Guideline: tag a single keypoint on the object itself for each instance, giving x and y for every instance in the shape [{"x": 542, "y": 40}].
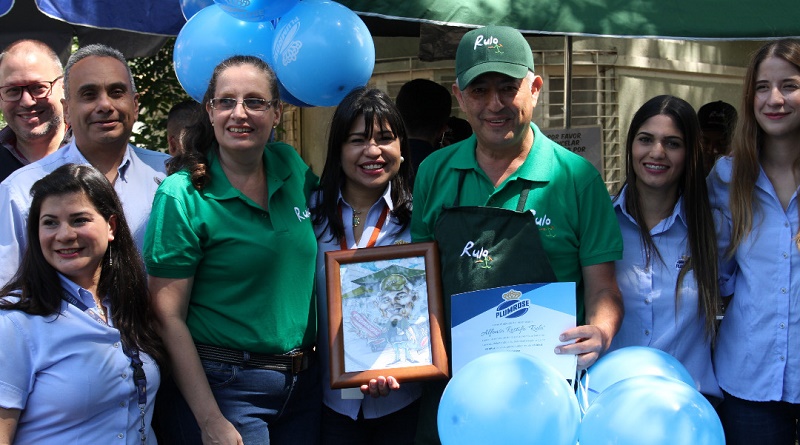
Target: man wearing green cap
[{"x": 541, "y": 212}]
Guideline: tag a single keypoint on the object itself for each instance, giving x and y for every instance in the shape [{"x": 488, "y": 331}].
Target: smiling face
[
  {"x": 240, "y": 128},
  {"x": 500, "y": 108},
  {"x": 370, "y": 163},
  {"x": 32, "y": 119},
  {"x": 74, "y": 237},
  {"x": 659, "y": 152},
  {"x": 777, "y": 98},
  {"x": 101, "y": 107}
]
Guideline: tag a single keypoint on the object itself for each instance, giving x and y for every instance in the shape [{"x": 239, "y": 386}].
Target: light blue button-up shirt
[
  {"x": 652, "y": 316},
  {"x": 140, "y": 173},
  {"x": 758, "y": 350},
  {"x": 70, "y": 377},
  {"x": 389, "y": 235}
]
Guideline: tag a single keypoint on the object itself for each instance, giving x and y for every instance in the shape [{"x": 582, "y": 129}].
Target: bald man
[{"x": 31, "y": 90}]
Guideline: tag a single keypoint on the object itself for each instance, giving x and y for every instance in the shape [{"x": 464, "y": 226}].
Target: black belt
[{"x": 294, "y": 361}]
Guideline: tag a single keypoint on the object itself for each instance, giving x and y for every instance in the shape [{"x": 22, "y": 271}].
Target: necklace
[{"x": 356, "y": 218}]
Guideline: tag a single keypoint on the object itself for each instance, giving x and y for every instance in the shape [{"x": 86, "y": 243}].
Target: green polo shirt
[
  {"x": 573, "y": 210},
  {"x": 253, "y": 269}
]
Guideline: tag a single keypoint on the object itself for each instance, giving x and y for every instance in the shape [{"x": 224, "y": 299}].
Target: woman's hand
[
  {"x": 219, "y": 431},
  {"x": 380, "y": 387}
]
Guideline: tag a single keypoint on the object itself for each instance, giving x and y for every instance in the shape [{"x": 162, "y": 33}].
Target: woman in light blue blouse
[
  {"x": 81, "y": 360},
  {"x": 757, "y": 358},
  {"x": 668, "y": 272},
  {"x": 364, "y": 200}
]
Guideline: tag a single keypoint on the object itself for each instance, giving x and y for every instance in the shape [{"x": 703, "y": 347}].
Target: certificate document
[{"x": 522, "y": 318}]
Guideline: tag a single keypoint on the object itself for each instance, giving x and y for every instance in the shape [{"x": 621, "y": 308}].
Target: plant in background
[{"x": 159, "y": 89}]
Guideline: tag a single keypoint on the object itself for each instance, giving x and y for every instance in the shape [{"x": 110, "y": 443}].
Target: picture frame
[{"x": 385, "y": 314}]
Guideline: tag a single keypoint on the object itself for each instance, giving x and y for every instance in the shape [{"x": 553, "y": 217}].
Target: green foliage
[{"x": 159, "y": 89}]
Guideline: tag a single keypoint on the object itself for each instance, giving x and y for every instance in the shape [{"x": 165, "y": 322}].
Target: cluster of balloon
[
  {"x": 508, "y": 397},
  {"x": 298, "y": 39},
  {"x": 653, "y": 410},
  {"x": 628, "y": 362},
  {"x": 639, "y": 395}
]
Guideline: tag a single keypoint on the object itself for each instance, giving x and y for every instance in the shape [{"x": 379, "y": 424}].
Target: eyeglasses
[
  {"x": 250, "y": 103},
  {"x": 37, "y": 90}
]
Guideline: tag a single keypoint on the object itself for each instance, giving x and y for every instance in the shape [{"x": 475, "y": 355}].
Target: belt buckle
[{"x": 297, "y": 361}]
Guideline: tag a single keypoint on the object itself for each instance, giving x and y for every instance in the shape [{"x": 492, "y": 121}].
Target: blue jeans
[
  {"x": 768, "y": 423},
  {"x": 266, "y": 407}
]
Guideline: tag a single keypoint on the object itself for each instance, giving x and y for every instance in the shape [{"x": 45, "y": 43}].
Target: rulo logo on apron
[{"x": 481, "y": 255}]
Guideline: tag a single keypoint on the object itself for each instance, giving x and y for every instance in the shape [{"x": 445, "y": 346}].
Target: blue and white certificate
[{"x": 522, "y": 318}]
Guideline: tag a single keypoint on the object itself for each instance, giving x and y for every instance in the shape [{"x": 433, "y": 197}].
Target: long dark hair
[
  {"x": 696, "y": 206},
  {"x": 199, "y": 137},
  {"x": 372, "y": 105},
  {"x": 122, "y": 276}
]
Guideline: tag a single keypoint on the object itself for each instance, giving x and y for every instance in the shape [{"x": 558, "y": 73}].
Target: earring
[
  {"x": 110, "y": 259},
  {"x": 402, "y": 159}
]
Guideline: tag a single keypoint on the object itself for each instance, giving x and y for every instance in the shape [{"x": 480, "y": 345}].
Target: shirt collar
[
  {"x": 276, "y": 169},
  {"x": 76, "y": 291},
  {"x": 537, "y": 167},
  {"x": 128, "y": 160},
  {"x": 386, "y": 197},
  {"x": 678, "y": 213}
]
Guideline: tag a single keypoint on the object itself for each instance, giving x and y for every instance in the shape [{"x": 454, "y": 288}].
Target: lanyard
[
  {"x": 375, "y": 231},
  {"x": 139, "y": 376}
]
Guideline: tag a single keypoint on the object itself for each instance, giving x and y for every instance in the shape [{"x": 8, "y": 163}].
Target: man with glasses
[
  {"x": 30, "y": 99},
  {"x": 100, "y": 105}
]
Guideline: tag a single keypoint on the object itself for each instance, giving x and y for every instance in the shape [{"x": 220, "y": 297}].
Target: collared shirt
[
  {"x": 652, "y": 316},
  {"x": 756, "y": 356},
  {"x": 70, "y": 377},
  {"x": 568, "y": 197},
  {"x": 389, "y": 234},
  {"x": 253, "y": 268},
  {"x": 10, "y": 157},
  {"x": 139, "y": 174}
]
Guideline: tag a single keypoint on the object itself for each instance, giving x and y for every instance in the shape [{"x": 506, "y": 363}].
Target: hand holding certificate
[{"x": 523, "y": 318}]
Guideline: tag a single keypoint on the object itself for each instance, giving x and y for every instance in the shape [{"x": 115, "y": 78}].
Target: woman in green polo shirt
[{"x": 230, "y": 250}]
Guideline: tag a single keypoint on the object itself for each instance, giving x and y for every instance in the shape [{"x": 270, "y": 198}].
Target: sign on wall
[{"x": 585, "y": 141}]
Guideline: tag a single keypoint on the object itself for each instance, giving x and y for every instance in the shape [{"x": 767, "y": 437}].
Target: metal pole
[{"x": 567, "y": 81}]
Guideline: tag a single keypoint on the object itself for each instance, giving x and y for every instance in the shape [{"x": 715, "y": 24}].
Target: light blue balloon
[
  {"x": 210, "y": 37},
  {"x": 289, "y": 99},
  {"x": 652, "y": 410},
  {"x": 629, "y": 362},
  {"x": 508, "y": 398},
  {"x": 322, "y": 51},
  {"x": 256, "y": 10},
  {"x": 191, "y": 7}
]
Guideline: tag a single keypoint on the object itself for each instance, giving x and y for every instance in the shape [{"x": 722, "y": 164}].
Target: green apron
[{"x": 481, "y": 248}]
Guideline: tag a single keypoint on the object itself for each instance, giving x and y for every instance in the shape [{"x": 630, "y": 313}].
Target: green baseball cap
[{"x": 493, "y": 49}]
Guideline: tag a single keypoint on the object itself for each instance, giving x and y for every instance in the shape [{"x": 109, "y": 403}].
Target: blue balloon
[
  {"x": 256, "y": 10},
  {"x": 210, "y": 37},
  {"x": 629, "y": 362},
  {"x": 191, "y": 7},
  {"x": 652, "y": 410},
  {"x": 287, "y": 97},
  {"x": 508, "y": 398},
  {"x": 322, "y": 50}
]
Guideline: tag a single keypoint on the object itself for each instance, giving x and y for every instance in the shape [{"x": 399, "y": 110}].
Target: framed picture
[{"x": 385, "y": 314}]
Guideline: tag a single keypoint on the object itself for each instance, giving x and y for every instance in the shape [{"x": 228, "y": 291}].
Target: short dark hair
[
  {"x": 425, "y": 106},
  {"x": 96, "y": 50}
]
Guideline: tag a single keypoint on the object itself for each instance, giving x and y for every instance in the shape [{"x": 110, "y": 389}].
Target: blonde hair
[{"x": 748, "y": 141}]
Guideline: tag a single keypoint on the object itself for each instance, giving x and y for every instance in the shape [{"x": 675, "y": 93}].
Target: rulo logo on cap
[{"x": 489, "y": 42}]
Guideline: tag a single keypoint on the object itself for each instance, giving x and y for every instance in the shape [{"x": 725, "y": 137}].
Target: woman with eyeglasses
[
  {"x": 230, "y": 251},
  {"x": 364, "y": 200}
]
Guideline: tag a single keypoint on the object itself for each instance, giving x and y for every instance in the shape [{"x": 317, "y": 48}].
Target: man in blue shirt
[{"x": 100, "y": 105}]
